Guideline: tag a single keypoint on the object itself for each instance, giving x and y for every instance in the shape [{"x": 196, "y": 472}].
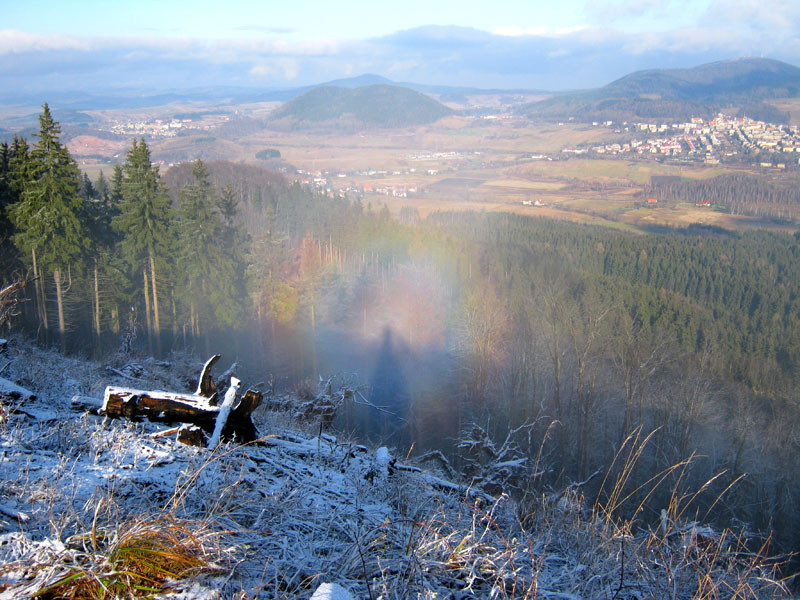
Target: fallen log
[
  {"x": 168, "y": 407},
  {"x": 79, "y": 402},
  {"x": 198, "y": 409}
]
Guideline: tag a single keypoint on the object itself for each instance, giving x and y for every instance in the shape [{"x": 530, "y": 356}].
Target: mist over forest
[{"x": 462, "y": 332}]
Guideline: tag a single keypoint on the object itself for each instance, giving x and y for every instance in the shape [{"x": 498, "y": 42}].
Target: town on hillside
[{"x": 723, "y": 139}]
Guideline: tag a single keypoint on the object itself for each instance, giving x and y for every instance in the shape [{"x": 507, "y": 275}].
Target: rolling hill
[
  {"x": 677, "y": 93},
  {"x": 379, "y": 105}
]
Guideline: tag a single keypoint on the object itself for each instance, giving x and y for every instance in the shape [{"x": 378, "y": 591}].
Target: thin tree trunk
[
  {"x": 62, "y": 329},
  {"x": 36, "y": 284},
  {"x": 313, "y": 337},
  {"x": 193, "y": 321},
  {"x": 147, "y": 310},
  {"x": 40, "y": 294},
  {"x": 174, "y": 315},
  {"x": 156, "y": 319},
  {"x": 313, "y": 329},
  {"x": 96, "y": 300}
]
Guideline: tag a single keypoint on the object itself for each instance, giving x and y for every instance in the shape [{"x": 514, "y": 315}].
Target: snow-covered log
[
  {"x": 169, "y": 407},
  {"x": 199, "y": 408},
  {"x": 9, "y": 388},
  {"x": 89, "y": 403}
]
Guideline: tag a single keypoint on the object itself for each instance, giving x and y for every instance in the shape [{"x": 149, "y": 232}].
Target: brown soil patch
[{"x": 87, "y": 145}]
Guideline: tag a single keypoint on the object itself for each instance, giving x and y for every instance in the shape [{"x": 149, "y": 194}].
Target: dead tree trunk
[
  {"x": 167, "y": 407},
  {"x": 9, "y": 301},
  {"x": 199, "y": 408}
]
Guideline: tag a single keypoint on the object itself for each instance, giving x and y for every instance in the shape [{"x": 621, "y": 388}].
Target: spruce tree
[
  {"x": 7, "y": 198},
  {"x": 102, "y": 188},
  {"x": 97, "y": 212},
  {"x": 209, "y": 284},
  {"x": 14, "y": 163},
  {"x": 234, "y": 242},
  {"x": 115, "y": 192},
  {"x": 144, "y": 221},
  {"x": 46, "y": 218}
]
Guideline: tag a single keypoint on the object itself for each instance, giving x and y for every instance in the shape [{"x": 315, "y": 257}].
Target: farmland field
[{"x": 457, "y": 163}]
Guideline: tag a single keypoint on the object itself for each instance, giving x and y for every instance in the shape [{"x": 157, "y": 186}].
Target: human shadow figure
[{"x": 387, "y": 391}]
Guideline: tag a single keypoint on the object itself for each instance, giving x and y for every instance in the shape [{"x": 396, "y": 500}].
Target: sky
[{"x": 91, "y": 46}]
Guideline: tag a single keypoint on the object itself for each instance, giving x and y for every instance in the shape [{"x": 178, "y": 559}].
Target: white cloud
[
  {"x": 541, "y": 31},
  {"x": 690, "y": 40},
  {"x": 777, "y": 17},
  {"x": 287, "y": 69},
  {"x": 404, "y": 66},
  {"x": 612, "y": 10},
  {"x": 517, "y": 31},
  {"x": 19, "y": 42}
]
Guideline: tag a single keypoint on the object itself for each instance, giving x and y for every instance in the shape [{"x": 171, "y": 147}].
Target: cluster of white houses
[{"x": 709, "y": 141}]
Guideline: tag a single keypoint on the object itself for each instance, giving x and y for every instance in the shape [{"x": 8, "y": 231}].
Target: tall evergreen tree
[
  {"x": 7, "y": 198},
  {"x": 234, "y": 240},
  {"x": 86, "y": 189},
  {"x": 102, "y": 188},
  {"x": 14, "y": 162},
  {"x": 46, "y": 218},
  {"x": 209, "y": 283},
  {"x": 144, "y": 219},
  {"x": 97, "y": 213},
  {"x": 115, "y": 191}
]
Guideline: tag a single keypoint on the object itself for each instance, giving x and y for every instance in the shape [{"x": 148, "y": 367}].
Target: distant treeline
[
  {"x": 738, "y": 292},
  {"x": 739, "y": 194}
]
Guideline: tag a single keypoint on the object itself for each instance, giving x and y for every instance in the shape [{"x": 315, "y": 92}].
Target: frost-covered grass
[{"x": 113, "y": 511}]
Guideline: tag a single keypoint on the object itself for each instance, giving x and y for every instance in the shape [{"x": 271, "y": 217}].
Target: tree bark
[
  {"x": 62, "y": 329},
  {"x": 115, "y": 320},
  {"x": 96, "y": 301},
  {"x": 147, "y": 310},
  {"x": 156, "y": 318},
  {"x": 40, "y": 295}
]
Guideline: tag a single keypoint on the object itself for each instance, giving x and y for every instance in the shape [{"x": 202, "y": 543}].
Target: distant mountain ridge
[
  {"x": 135, "y": 98},
  {"x": 654, "y": 93},
  {"x": 736, "y": 79},
  {"x": 674, "y": 93},
  {"x": 377, "y": 105}
]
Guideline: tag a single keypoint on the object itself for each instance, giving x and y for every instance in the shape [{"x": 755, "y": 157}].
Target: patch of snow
[
  {"x": 9, "y": 387},
  {"x": 331, "y": 591},
  {"x": 382, "y": 457}
]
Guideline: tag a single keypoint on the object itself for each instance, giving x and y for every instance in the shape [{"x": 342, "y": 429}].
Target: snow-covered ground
[{"x": 291, "y": 516}]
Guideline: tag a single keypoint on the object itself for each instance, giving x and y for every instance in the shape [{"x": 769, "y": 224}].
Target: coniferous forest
[{"x": 461, "y": 326}]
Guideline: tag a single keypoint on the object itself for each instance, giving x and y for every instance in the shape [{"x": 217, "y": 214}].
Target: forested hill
[
  {"x": 373, "y": 106},
  {"x": 738, "y": 294},
  {"x": 739, "y": 80},
  {"x": 678, "y": 93}
]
